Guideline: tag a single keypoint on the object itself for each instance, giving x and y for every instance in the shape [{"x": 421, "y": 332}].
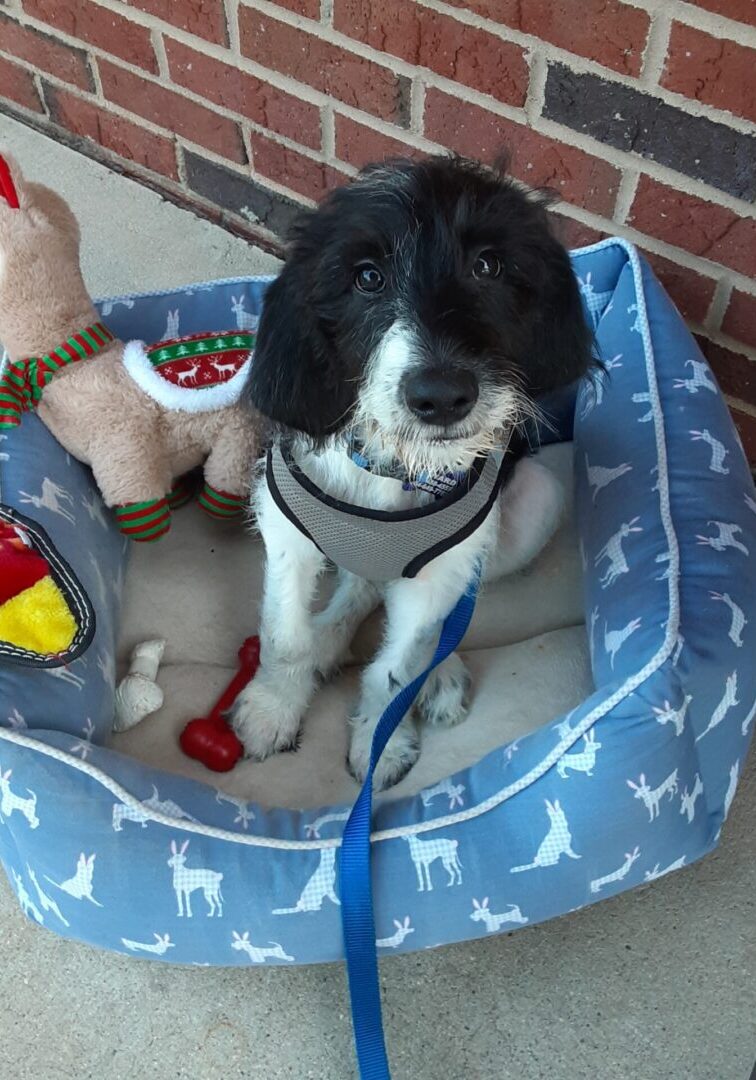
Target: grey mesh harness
[{"x": 383, "y": 545}]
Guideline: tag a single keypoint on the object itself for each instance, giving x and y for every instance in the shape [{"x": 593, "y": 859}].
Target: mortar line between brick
[
  {"x": 417, "y": 106},
  {"x": 180, "y": 162},
  {"x": 577, "y": 63},
  {"x": 37, "y": 80},
  {"x": 628, "y": 185},
  {"x": 158, "y": 45},
  {"x": 232, "y": 23},
  {"x": 326, "y": 12},
  {"x": 328, "y": 132},
  {"x": 718, "y": 306},
  {"x": 655, "y": 52},
  {"x": 536, "y": 85}
]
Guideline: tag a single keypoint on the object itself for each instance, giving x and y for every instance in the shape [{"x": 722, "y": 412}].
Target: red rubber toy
[{"x": 209, "y": 739}]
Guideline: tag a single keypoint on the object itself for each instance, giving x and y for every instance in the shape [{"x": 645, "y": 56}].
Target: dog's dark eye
[
  {"x": 487, "y": 265},
  {"x": 368, "y": 278}
]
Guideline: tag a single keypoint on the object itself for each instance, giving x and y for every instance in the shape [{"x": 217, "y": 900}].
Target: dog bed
[{"x": 614, "y": 687}]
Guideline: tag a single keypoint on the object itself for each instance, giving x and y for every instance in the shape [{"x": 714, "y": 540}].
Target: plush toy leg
[
  {"x": 182, "y": 491},
  {"x": 144, "y": 521},
  {"x": 221, "y": 504}
]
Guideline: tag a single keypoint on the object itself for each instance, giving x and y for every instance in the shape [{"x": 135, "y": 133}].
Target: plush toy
[
  {"x": 140, "y": 417},
  {"x": 34, "y": 615}
]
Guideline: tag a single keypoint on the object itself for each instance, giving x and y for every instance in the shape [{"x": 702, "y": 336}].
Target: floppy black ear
[
  {"x": 294, "y": 379},
  {"x": 561, "y": 348}
]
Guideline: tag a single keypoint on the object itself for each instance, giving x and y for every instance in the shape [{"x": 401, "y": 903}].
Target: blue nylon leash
[{"x": 354, "y": 872}]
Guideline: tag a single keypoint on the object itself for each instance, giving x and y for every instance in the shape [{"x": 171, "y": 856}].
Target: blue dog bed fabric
[{"x": 634, "y": 782}]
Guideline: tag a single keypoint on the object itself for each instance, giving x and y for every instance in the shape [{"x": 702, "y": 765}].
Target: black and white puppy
[{"x": 422, "y": 308}]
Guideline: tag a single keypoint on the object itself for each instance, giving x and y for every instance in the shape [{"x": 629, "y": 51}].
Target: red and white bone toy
[
  {"x": 209, "y": 739},
  {"x": 7, "y": 187}
]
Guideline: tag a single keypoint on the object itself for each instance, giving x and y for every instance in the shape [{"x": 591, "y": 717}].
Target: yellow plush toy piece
[{"x": 38, "y": 619}]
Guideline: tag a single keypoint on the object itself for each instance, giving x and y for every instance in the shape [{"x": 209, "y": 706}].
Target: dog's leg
[
  {"x": 415, "y": 611},
  {"x": 268, "y": 713},
  {"x": 444, "y": 700},
  {"x": 529, "y": 511},
  {"x": 352, "y": 601}
]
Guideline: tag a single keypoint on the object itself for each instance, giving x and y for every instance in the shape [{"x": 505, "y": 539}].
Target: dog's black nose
[{"x": 440, "y": 397}]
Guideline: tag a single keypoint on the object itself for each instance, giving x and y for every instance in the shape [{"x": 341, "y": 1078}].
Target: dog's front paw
[
  {"x": 445, "y": 698},
  {"x": 401, "y": 753},
  {"x": 265, "y": 723}
]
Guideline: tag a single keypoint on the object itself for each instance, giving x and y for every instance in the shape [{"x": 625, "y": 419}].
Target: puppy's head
[{"x": 426, "y": 303}]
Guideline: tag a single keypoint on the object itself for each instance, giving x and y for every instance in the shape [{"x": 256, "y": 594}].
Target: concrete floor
[{"x": 653, "y": 985}]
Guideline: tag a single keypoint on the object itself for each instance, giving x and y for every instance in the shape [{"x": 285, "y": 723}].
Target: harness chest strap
[
  {"x": 23, "y": 380},
  {"x": 384, "y": 545}
]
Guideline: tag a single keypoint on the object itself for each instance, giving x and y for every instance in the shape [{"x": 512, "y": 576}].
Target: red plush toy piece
[
  {"x": 20, "y": 567},
  {"x": 209, "y": 739}
]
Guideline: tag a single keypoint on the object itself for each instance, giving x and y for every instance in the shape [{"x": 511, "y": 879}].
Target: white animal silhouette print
[
  {"x": 403, "y": 929},
  {"x": 718, "y": 451},
  {"x": 748, "y": 720},
  {"x": 580, "y": 760},
  {"x": 444, "y": 787},
  {"x": 187, "y": 879},
  {"x": 557, "y": 842},
  {"x": 677, "y": 651},
  {"x": 617, "y": 875},
  {"x": 123, "y": 812},
  {"x": 9, "y": 802},
  {"x": 725, "y": 538},
  {"x": 564, "y": 728},
  {"x": 738, "y": 621},
  {"x": 244, "y": 321},
  {"x": 313, "y": 828},
  {"x": 16, "y": 721},
  {"x": 615, "y": 639},
  {"x": 94, "y": 506},
  {"x": 425, "y": 852},
  {"x": 66, "y": 676},
  {"x": 45, "y": 902},
  {"x": 28, "y": 906},
  {"x": 750, "y": 502},
  {"x": 652, "y": 875},
  {"x": 3, "y": 438},
  {"x": 688, "y": 801},
  {"x": 652, "y": 797},
  {"x": 84, "y": 745},
  {"x": 663, "y": 558},
  {"x": 243, "y": 812},
  {"x": 644, "y": 398},
  {"x": 731, "y": 787},
  {"x": 320, "y": 886},
  {"x": 700, "y": 380},
  {"x": 108, "y": 305},
  {"x": 258, "y": 954},
  {"x": 729, "y": 701},
  {"x": 600, "y": 477},
  {"x": 106, "y": 664},
  {"x": 612, "y": 551},
  {"x": 188, "y": 375},
  {"x": 493, "y": 922},
  {"x": 99, "y": 582},
  {"x": 224, "y": 369},
  {"x": 159, "y": 947},
  {"x": 171, "y": 325},
  {"x": 52, "y": 497},
  {"x": 637, "y": 326},
  {"x": 80, "y": 885},
  {"x": 592, "y": 631},
  {"x": 511, "y": 750},
  {"x": 668, "y": 715}
]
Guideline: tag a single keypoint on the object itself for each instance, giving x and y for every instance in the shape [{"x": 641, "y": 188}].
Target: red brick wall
[{"x": 640, "y": 114}]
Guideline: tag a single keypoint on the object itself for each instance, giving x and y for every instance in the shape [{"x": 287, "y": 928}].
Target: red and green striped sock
[
  {"x": 181, "y": 492},
  {"x": 144, "y": 521},
  {"x": 221, "y": 504}
]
